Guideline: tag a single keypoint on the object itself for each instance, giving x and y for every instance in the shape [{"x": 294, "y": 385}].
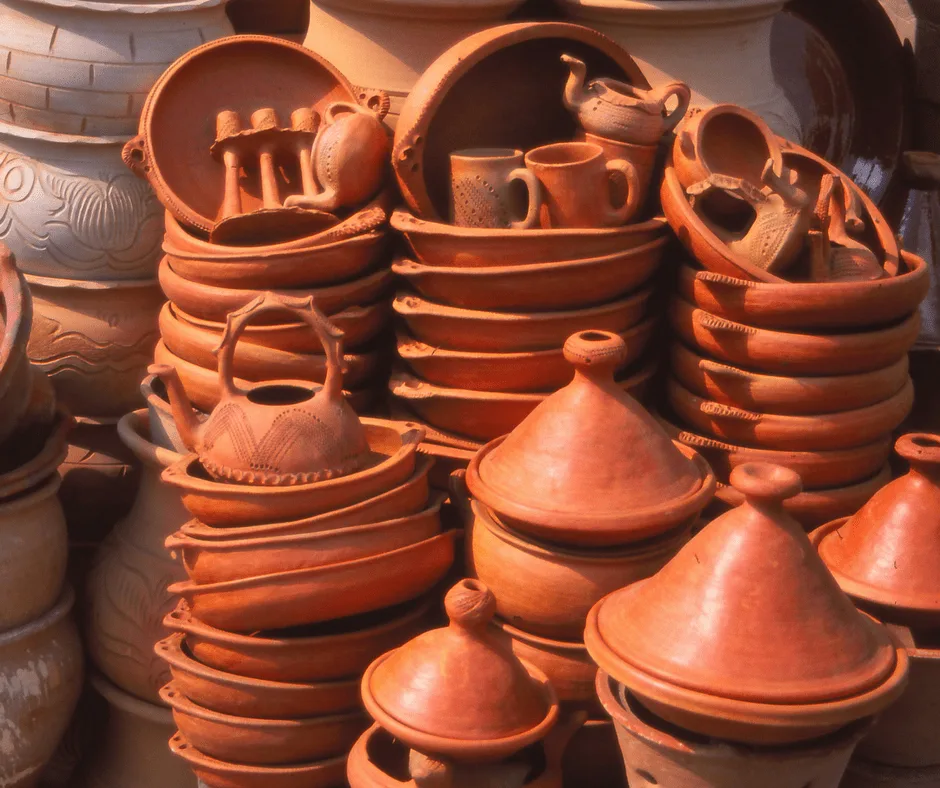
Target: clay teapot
[
  {"x": 619, "y": 111},
  {"x": 349, "y": 157},
  {"x": 281, "y": 432}
]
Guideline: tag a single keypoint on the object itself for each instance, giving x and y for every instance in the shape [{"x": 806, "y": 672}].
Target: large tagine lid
[
  {"x": 458, "y": 691},
  {"x": 746, "y": 620},
  {"x": 888, "y": 554},
  {"x": 589, "y": 465}
]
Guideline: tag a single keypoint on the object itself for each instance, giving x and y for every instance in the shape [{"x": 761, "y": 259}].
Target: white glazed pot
[{"x": 85, "y": 67}]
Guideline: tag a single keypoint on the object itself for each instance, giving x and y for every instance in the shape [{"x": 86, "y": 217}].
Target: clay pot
[
  {"x": 262, "y": 742},
  {"x": 784, "y": 353},
  {"x": 593, "y": 757},
  {"x": 45, "y": 656},
  {"x": 94, "y": 341},
  {"x": 329, "y": 651},
  {"x": 641, "y": 157},
  {"x": 446, "y": 459},
  {"x": 536, "y": 287},
  {"x": 213, "y": 773},
  {"x": 862, "y": 773},
  {"x": 163, "y": 430},
  {"x": 228, "y": 693},
  {"x": 35, "y": 456},
  {"x": 226, "y": 505},
  {"x": 439, "y": 244},
  {"x": 534, "y": 370}
]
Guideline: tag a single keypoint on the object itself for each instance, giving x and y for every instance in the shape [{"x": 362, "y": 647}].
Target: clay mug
[
  {"x": 482, "y": 193},
  {"x": 577, "y": 185},
  {"x": 642, "y": 157}
]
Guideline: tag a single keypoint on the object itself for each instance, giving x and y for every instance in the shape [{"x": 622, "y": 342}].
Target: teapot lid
[
  {"x": 458, "y": 691},
  {"x": 589, "y": 465}
]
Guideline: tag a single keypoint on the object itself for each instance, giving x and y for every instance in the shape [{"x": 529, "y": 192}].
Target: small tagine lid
[
  {"x": 889, "y": 552},
  {"x": 745, "y": 611},
  {"x": 457, "y": 690},
  {"x": 590, "y": 464}
]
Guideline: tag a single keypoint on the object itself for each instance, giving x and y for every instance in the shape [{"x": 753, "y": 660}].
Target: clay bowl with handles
[
  {"x": 445, "y": 245},
  {"x": 222, "y": 560},
  {"x": 484, "y": 331},
  {"x": 844, "y": 430},
  {"x": 394, "y": 448},
  {"x": 536, "y": 287},
  {"x": 337, "y": 649},
  {"x": 262, "y": 742},
  {"x": 806, "y": 395},
  {"x": 229, "y": 693},
  {"x": 526, "y": 371},
  {"x": 213, "y": 773},
  {"x": 785, "y": 353}
]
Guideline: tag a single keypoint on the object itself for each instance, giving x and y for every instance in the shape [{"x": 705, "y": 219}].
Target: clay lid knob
[
  {"x": 595, "y": 353},
  {"x": 766, "y": 483},
  {"x": 470, "y": 605},
  {"x": 920, "y": 449}
]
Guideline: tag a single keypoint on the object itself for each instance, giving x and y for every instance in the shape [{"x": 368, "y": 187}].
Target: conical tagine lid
[
  {"x": 457, "y": 691},
  {"x": 746, "y": 612},
  {"x": 589, "y": 465},
  {"x": 889, "y": 552}
]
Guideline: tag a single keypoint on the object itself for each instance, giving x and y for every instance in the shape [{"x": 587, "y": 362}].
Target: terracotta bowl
[
  {"x": 548, "y": 590},
  {"x": 447, "y": 459},
  {"x": 538, "y": 287},
  {"x": 258, "y": 742},
  {"x": 227, "y": 505},
  {"x": 783, "y": 394},
  {"x": 213, "y": 773},
  {"x": 309, "y": 596},
  {"x": 482, "y": 331},
  {"x": 228, "y": 693},
  {"x": 439, "y": 244},
  {"x": 35, "y": 454},
  {"x": 337, "y": 649},
  {"x": 222, "y": 560},
  {"x": 213, "y": 302},
  {"x": 782, "y": 353}
]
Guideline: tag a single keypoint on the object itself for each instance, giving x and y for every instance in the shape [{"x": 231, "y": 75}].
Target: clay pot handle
[
  {"x": 135, "y": 156},
  {"x": 719, "y": 410},
  {"x": 764, "y": 482},
  {"x": 330, "y": 337},
  {"x": 459, "y": 492},
  {"x": 721, "y": 370},
  {"x": 719, "y": 324},
  {"x": 595, "y": 353},
  {"x": 683, "y": 96},
  {"x": 374, "y": 99},
  {"x": 329, "y": 114},
  {"x": 630, "y": 205},
  {"x": 920, "y": 449},
  {"x": 470, "y": 605},
  {"x": 534, "y": 190}
]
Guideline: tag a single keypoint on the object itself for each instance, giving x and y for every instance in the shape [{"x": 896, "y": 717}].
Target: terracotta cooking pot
[{"x": 36, "y": 455}]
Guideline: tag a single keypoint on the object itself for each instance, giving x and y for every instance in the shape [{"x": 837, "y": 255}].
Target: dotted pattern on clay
[{"x": 477, "y": 203}]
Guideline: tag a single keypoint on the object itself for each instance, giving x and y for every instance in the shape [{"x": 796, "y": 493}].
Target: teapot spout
[
  {"x": 574, "y": 87},
  {"x": 187, "y": 424}
]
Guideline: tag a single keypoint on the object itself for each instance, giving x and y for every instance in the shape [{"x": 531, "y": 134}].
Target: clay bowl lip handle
[
  {"x": 765, "y": 482},
  {"x": 919, "y": 448}
]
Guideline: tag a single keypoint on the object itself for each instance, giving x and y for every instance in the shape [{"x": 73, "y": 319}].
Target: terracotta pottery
[
  {"x": 329, "y": 651},
  {"x": 126, "y": 595},
  {"x": 862, "y": 773},
  {"x": 35, "y": 456},
  {"x": 538, "y": 287},
  {"x": 593, "y": 757},
  {"x": 213, "y": 773},
  {"x": 423, "y": 695},
  {"x": 654, "y": 750},
  {"x": 228, "y": 693},
  {"x": 641, "y": 157},
  {"x": 40, "y": 682},
  {"x": 785, "y": 394},
  {"x": 577, "y": 434},
  {"x": 446, "y": 460},
  {"x": 162, "y": 428},
  {"x": 262, "y": 742},
  {"x": 794, "y": 662},
  {"x": 548, "y": 590},
  {"x": 219, "y": 504},
  {"x": 786, "y": 353},
  {"x": 221, "y": 560},
  {"x": 439, "y": 244},
  {"x": 482, "y": 193}
]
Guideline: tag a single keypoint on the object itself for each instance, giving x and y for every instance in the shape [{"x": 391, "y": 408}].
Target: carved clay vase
[{"x": 127, "y": 596}]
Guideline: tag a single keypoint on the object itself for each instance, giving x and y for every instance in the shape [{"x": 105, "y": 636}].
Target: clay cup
[{"x": 483, "y": 192}]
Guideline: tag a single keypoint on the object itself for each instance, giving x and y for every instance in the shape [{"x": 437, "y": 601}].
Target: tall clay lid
[
  {"x": 458, "y": 691},
  {"x": 589, "y": 465},
  {"x": 889, "y": 552},
  {"x": 747, "y": 611}
]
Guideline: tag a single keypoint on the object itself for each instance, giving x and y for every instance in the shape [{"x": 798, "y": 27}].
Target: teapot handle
[
  {"x": 683, "y": 96},
  {"x": 330, "y": 337}
]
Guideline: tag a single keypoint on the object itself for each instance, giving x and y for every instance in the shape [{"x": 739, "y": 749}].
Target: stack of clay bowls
[
  {"x": 587, "y": 494},
  {"x": 742, "y": 656},
  {"x": 307, "y": 216},
  {"x": 791, "y": 344},
  {"x": 884, "y": 557}
]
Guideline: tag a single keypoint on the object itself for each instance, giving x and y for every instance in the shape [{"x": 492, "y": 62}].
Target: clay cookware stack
[
  {"x": 794, "y": 319},
  {"x": 271, "y": 167},
  {"x": 885, "y": 557},
  {"x": 588, "y": 494},
  {"x": 525, "y": 174},
  {"x": 314, "y": 547},
  {"x": 742, "y": 656}
]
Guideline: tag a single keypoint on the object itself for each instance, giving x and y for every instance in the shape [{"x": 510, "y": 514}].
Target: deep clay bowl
[{"x": 36, "y": 454}]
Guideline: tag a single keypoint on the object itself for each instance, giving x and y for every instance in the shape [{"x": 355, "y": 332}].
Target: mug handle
[
  {"x": 534, "y": 188},
  {"x": 630, "y": 205},
  {"x": 683, "y": 96}
]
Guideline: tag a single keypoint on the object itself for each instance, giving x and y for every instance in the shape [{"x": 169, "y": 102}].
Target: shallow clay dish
[
  {"x": 484, "y": 331},
  {"x": 539, "y": 287},
  {"x": 440, "y": 244},
  {"x": 336, "y": 649},
  {"x": 500, "y": 87}
]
